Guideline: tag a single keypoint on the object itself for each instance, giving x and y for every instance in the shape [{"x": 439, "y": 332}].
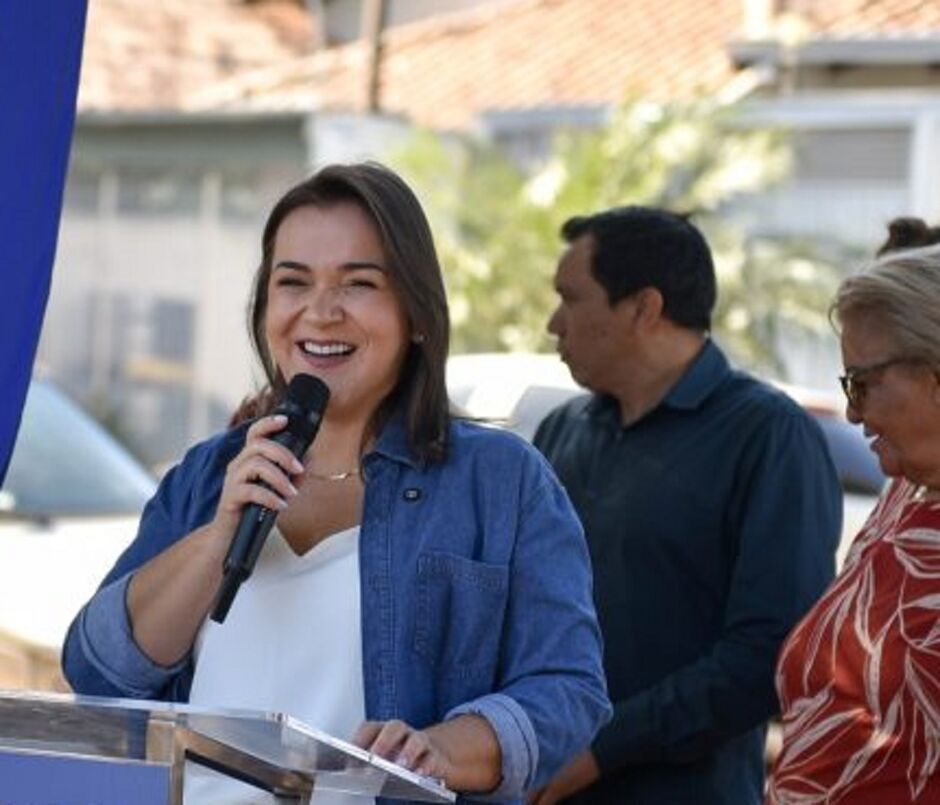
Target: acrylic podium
[{"x": 79, "y": 750}]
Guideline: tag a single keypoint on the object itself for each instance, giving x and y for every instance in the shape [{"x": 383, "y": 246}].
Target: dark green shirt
[{"x": 712, "y": 524}]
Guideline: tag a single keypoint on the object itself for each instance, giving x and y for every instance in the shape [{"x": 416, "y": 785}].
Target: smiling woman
[
  {"x": 859, "y": 678},
  {"x": 426, "y": 589}
]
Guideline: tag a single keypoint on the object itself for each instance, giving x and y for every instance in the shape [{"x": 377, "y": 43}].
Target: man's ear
[{"x": 649, "y": 308}]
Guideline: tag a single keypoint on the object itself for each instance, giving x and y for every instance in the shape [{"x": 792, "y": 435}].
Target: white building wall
[
  {"x": 862, "y": 158},
  {"x": 925, "y": 166},
  {"x": 851, "y": 211},
  {"x": 147, "y": 317},
  {"x": 352, "y": 137}
]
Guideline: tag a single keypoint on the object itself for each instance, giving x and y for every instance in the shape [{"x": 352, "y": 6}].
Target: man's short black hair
[{"x": 645, "y": 247}]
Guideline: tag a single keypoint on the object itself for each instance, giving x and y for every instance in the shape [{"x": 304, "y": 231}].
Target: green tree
[{"x": 497, "y": 225}]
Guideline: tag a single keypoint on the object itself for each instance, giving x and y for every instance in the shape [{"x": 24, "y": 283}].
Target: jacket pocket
[{"x": 459, "y": 611}]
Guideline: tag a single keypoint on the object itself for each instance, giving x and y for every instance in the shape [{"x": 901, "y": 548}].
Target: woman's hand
[
  {"x": 260, "y": 460},
  {"x": 402, "y": 744},
  {"x": 463, "y": 752}
]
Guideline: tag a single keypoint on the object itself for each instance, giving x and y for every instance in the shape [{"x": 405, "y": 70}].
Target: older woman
[
  {"x": 859, "y": 678},
  {"x": 426, "y": 589}
]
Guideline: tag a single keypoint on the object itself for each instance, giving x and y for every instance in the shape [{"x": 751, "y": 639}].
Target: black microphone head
[
  {"x": 303, "y": 405},
  {"x": 308, "y": 392}
]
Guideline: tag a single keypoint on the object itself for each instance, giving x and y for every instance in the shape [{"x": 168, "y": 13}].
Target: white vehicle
[
  {"x": 69, "y": 505},
  {"x": 518, "y": 390}
]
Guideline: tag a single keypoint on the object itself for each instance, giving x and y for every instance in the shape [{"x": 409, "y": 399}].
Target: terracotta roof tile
[
  {"x": 444, "y": 71},
  {"x": 869, "y": 17},
  {"x": 559, "y": 52},
  {"x": 153, "y": 54}
]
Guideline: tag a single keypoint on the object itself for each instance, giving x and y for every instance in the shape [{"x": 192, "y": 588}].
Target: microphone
[{"x": 303, "y": 406}]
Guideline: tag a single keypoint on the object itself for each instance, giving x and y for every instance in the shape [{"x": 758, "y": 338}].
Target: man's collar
[
  {"x": 704, "y": 374},
  {"x": 708, "y": 369}
]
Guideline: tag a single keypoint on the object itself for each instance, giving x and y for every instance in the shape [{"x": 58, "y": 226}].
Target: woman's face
[
  {"x": 898, "y": 404},
  {"x": 332, "y": 309}
]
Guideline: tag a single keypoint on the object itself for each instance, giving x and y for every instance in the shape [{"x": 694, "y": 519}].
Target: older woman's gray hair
[{"x": 900, "y": 290}]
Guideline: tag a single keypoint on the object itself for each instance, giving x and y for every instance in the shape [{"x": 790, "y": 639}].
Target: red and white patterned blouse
[{"x": 859, "y": 677}]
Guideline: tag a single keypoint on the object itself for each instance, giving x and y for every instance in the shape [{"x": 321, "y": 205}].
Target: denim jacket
[{"x": 476, "y": 596}]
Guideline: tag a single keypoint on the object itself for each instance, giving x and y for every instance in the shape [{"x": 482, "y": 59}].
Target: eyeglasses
[{"x": 853, "y": 381}]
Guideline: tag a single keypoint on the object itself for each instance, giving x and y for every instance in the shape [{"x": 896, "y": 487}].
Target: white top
[{"x": 291, "y": 643}]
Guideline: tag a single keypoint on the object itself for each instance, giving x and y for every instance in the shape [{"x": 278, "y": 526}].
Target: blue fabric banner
[{"x": 40, "y": 57}]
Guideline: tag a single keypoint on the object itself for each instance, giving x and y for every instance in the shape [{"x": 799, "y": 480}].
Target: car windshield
[
  {"x": 65, "y": 463},
  {"x": 857, "y": 466}
]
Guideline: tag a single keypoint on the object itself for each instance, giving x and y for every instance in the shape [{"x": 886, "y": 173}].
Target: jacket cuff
[
  {"x": 107, "y": 640},
  {"x": 517, "y": 743}
]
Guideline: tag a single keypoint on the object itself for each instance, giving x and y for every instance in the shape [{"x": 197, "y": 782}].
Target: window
[{"x": 158, "y": 193}]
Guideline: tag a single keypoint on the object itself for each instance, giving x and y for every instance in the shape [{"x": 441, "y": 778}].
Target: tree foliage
[{"x": 497, "y": 225}]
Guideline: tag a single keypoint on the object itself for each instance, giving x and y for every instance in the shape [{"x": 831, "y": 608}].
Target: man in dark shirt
[{"x": 711, "y": 507}]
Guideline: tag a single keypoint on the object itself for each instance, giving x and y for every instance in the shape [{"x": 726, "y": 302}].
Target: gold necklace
[{"x": 334, "y": 476}]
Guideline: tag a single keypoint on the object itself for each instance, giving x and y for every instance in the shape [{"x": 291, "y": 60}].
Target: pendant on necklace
[{"x": 334, "y": 476}]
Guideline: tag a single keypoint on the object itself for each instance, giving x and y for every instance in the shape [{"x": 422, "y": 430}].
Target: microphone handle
[
  {"x": 249, "y": 538},
  {"x": 243, "y": 552},
  {"x": 253, "y": 529}
]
